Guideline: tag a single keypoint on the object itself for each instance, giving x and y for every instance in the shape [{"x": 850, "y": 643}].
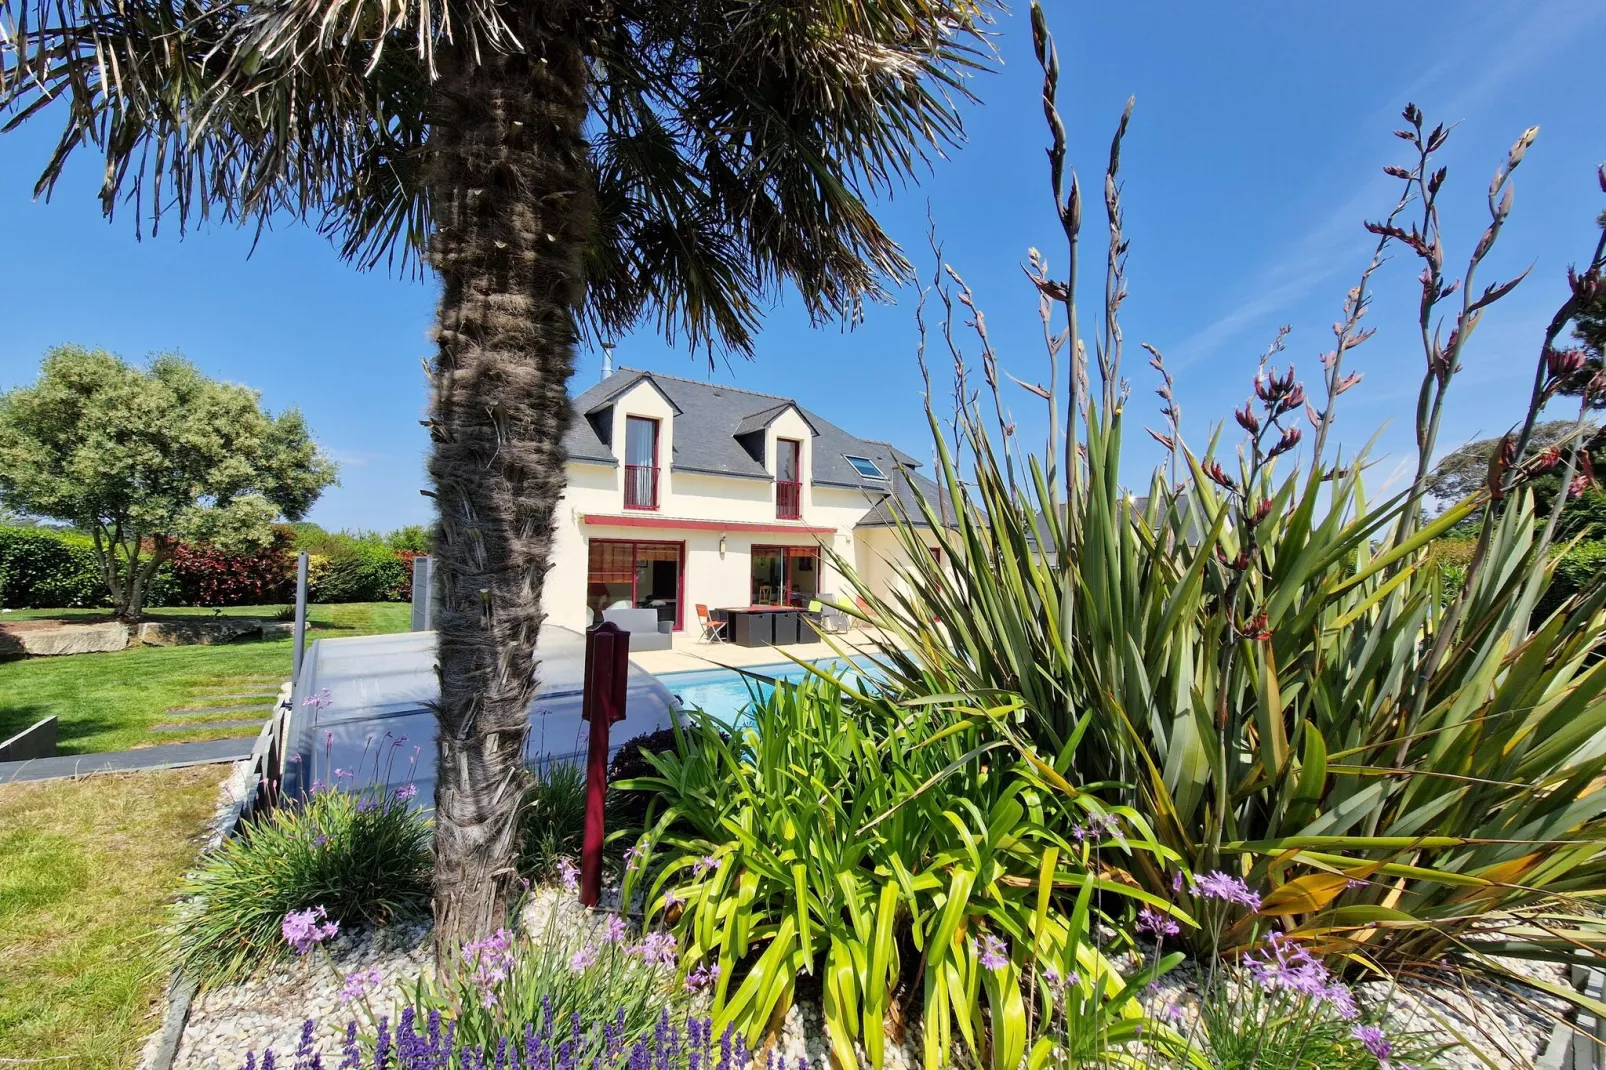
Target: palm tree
[{"x": 569, "y": 169}]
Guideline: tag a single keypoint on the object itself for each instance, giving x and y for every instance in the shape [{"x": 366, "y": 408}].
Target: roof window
[{"x": 866, "y": 467}]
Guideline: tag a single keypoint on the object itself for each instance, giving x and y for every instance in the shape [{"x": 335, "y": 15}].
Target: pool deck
[{"x": 689, "y": 655}]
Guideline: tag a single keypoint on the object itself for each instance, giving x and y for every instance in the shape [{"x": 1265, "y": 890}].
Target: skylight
[{"x": 866, "y": 467}]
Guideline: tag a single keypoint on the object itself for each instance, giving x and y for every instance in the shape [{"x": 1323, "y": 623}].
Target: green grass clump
[
  {"x": 365, "y": 858},
  {"x": 552, "y": 821},
  {"x": 87, "y": 869}
]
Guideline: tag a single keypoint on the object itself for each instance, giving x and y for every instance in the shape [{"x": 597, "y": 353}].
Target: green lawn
[
  {"x": 87, "y": 868},
  {"x": 115, "y": 701}
]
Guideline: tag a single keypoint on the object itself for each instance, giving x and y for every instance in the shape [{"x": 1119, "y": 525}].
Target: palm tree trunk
[{"x": 510, "y": 196}]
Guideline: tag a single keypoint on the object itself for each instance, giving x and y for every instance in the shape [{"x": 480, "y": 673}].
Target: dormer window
[
  {"x": 788, "y": 479},
  {"x": 866, "y": 468}
]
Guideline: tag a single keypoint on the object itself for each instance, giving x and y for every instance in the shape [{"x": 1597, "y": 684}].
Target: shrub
[
  {"x": 41, "y": 568},
  {"x": 363, "y": 572},
  {"x": 414, "y": 538},
  {"x": 891, "y": 852},
  {"x": 508, "y": 985},
  {"x": 206, "y": 576},
  {"x": 365, "y": 858}
]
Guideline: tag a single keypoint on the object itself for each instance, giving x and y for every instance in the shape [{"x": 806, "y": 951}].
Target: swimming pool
[{"x": 726, "y": 693}]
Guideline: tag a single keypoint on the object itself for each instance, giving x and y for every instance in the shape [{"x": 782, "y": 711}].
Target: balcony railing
[
  {"x": 788, "y": 499},
  {"x": 641, "y": 486}
]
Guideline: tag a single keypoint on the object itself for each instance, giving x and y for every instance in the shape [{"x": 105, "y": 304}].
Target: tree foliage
[
  {"x": 141, "y": 459},
  {"x": 1465, "y": 471}
]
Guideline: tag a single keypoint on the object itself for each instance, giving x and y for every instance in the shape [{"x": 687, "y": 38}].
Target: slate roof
[{"x": 711, "y": 423}]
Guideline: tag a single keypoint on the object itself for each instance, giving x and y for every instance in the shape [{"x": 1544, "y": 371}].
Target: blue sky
[{"x": 1254, "y": 154}]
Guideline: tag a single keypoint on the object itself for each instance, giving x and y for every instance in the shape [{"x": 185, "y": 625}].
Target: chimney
[{"x": 607, "y": 359}]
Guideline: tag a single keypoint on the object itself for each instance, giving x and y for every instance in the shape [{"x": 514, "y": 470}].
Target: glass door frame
[{"x": 788, "y": 554}]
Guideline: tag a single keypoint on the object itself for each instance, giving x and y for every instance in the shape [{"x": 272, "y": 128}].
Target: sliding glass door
[
  {"x": 785, "y": 575},
  {"x": 625, "y": 574}
]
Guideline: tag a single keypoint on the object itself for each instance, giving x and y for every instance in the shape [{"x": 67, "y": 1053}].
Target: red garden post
[{"x": 607, "y": 673}]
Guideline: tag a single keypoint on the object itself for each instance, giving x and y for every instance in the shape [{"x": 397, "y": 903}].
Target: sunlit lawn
[
  {"x": 87, "y": 869},
  {"x": 113, "y": 701}
]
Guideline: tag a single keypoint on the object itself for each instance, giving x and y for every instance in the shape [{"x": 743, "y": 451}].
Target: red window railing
[
  {"x": 788, "y": 499},
  {"x": 641, "y": 486}
]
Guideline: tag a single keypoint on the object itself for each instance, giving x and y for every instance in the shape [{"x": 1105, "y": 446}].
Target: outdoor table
[{"x": 763, "y": 625}]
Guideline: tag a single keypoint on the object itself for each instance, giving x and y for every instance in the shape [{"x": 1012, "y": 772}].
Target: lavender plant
[{"x": 435, "y": 1042}]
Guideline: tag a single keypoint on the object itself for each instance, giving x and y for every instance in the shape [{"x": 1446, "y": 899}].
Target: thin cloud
[{"x": 1511, "y": 44}]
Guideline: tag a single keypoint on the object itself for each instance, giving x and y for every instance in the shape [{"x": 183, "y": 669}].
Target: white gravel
[{"x": 267, "y": 1011}]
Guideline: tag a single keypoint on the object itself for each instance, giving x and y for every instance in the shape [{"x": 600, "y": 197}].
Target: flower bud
[
  {"x": 1289, "y": 440},
  {"x": 1563, "y": 363},
  {"x": 1247, "y": 419}
]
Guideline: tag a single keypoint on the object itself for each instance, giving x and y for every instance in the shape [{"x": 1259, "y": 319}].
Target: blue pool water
[{"x": 726, "y": 693}]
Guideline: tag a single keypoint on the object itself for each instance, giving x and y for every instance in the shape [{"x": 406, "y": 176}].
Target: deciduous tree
[{"x": 141, "y": 459}]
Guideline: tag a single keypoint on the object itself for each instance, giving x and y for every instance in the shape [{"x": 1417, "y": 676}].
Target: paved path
[{"x": 165, "y": 756}]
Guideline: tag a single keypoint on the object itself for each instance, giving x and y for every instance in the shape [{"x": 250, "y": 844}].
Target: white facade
[{"x": 715, "y": 519}]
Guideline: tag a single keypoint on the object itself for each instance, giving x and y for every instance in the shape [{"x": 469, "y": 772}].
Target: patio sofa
[{"x": 647, "y": 632}]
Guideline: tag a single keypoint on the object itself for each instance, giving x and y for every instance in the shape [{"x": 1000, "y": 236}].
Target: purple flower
[
  {"x": 633, "y": 858},
  {"x": 1373, "y": 1040},
  {"x": 1338, "y": 996},
  {"x": 492, "y": 960},
  {"x": 702, "y": 977},
  {"x": 584, "y": 959},
  {"x": 1286, "y": 965},
  {"x": 1098, "y": 827},
  {"x": 1354, "y": 883},
  {"x": 319, "y": 840},
  {"x": 705, "y": 864},
  {"x": 673, "y": 899},
  {"x": 304, "y": 930},
  {"x": 366, "y": 803},
  {"x": 406, "y": 792},
  {"x": 614, "y": 931},
  {"x": 359, "y": 983},
  {"x": 1226, "y": 888},
  {"x": 319, "y": 700},
  {"x": 657, "y": 949},
  {"x": 994, "y": 953},
  {"x": 1172, "y": 1013},
  {"x": 341, "y": 774},
  {"x": 1152, "y": 921},
  {"x": 569, "y": 873}
]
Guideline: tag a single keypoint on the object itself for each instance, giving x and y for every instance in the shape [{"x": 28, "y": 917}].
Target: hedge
[
  {"x": 41, "y": 567},
  {"x": 47, "y": 568}
]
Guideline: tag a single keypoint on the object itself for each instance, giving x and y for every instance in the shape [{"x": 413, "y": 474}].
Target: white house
[{"x": 684, "y": 493}]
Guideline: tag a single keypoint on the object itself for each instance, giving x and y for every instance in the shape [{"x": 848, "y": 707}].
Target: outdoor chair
[
  {"x": 713, "y": 630},
  {"x": 829, "y": 619}
]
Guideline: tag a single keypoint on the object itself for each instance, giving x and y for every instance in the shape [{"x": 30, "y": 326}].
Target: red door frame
[
  {"x": 680, "y": 570},
  {"x": 787, "y": 553}
]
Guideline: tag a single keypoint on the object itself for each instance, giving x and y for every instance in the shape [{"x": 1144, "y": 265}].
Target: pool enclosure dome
[{"x": 360, "y": 712}]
